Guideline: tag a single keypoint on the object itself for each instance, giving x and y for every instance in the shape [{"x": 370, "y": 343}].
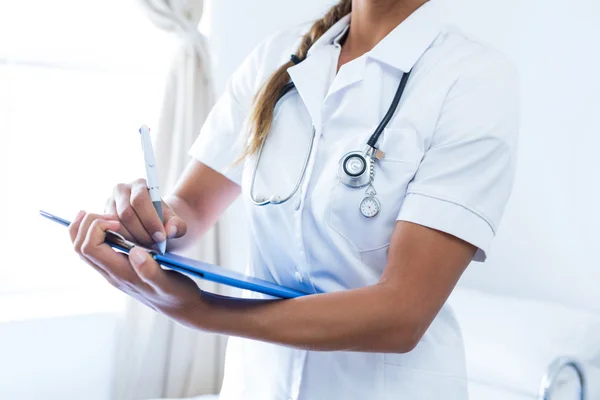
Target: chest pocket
[{"x": 404, "y": 152}]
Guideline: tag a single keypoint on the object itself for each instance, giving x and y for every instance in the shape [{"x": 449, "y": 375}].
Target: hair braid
[{"x": 261, "y": 116}]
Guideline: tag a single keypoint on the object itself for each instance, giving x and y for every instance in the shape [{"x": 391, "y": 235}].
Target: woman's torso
[{"x": 318, "y": 241}]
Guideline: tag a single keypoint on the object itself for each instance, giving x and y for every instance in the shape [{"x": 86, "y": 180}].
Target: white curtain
[{"x": 156, "y": 357}]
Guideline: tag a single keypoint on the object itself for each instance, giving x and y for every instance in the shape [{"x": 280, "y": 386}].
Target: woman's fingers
[
  {"x": 138, "y": 274},
  {"x": 101, "y": 256},
  {"x": 74, "y": 227},
  {"x": 148, "y": 270},
  {"x": 132, "y": 205},
  {"x": 128, "y": 216},
  {"x": 171, "y": 292},
  {"x": 111, "y": 209},
  {"x": 82, "y": 229},
  {"x": 79, "y": 230},
  {"x": 174, "y": 225},
  {"x": 142, "y": 204}
]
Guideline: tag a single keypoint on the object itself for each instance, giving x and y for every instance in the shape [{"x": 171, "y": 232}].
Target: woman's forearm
[{"x": 367, "y": 319}]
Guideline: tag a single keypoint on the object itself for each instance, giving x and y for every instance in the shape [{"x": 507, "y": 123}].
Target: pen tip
[{"x": 162, "y": 247}]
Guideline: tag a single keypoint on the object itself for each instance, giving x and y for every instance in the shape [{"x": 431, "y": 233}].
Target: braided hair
[{"x": 261, "y": 116}]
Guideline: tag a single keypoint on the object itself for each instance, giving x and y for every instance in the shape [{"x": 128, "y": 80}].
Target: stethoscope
[{"x": 356, "y": 169}]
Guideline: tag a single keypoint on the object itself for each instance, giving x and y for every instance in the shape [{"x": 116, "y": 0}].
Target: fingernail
[
  {"x": 158, "y": 237},
  {"x": 172, "y": 231},
  {"x": 137, "y": 256}
]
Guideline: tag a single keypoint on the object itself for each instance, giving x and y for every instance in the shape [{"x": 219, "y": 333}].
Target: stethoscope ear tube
[
  {"x": 390, "y": 112},
  {"x": 286, "y": 89}
]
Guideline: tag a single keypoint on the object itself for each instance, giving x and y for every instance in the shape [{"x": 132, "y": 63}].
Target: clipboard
[{"x": 195, "y": 268}]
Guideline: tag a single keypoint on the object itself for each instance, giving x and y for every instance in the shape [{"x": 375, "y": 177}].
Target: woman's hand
[
  {"x": 132, "y": 206},
  {"x": 138, "y": 275}
]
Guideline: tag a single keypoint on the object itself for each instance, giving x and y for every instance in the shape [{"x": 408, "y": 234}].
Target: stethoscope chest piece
[{"x": 354, "y": 169}]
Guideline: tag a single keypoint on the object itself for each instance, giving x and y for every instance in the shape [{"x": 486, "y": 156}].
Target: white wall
[
  {"x": 236, "y": 27},
  {"x": 545, "y": 247},
  {"x": 66, "y": 358}
]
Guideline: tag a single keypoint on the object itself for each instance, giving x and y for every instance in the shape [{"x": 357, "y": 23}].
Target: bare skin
[
  {"x": 372, "y": 20},
  {"x": 423, "y": 265}
]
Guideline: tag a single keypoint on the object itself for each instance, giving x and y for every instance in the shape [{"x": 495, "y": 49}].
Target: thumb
[
  {"x": 175, "y": 226},
  {"x": 148, "y": 269}
]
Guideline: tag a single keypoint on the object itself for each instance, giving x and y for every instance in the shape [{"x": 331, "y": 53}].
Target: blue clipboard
[{"x": 198, "y": 269}]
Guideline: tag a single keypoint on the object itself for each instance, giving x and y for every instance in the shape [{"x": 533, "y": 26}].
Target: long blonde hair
[{"x": 261, "y": 116}]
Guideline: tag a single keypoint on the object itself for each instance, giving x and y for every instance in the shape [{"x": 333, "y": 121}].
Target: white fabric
[
  {"x": 449, "y": 146},
  {"x": 511, "y": 342},
  {"x": 156, "y": 357},
  {"x": 484, "y": 391},
  {"x": 189, "y": 94}
]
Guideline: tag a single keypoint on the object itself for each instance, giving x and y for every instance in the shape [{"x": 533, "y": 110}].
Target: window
[{"x": 77, "y": 79}]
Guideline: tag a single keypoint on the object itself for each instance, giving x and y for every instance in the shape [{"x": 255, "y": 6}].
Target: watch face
[{"x": 369, "y": 207}]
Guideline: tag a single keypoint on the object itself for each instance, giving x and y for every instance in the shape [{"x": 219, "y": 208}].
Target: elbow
[
  {"x": 405, "y": 336},
  {"x": 403, "y": 328},
  {"x": 406, "y": 343}
]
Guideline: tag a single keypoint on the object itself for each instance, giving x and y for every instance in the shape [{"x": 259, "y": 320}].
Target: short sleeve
[
  {"x": 221, "y": 138},
  {"x": 466, "y": 175}
]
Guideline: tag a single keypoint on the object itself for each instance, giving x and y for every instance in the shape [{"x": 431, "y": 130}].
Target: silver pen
[{"x": 152, "y": 179}]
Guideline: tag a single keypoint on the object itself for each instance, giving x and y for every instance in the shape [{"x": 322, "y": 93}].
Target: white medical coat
[{"x": 449, "y": 165}]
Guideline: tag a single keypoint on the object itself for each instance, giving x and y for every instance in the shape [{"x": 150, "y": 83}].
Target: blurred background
[{"x": 78, "y": 78}]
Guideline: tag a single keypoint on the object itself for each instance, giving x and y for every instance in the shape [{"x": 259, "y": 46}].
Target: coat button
[{"x": 299, "y": 277}]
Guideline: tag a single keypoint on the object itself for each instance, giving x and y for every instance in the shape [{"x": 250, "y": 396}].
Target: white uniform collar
[{"x": 403, "y": 46}]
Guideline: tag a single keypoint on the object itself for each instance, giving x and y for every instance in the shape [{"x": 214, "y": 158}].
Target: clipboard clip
[{"x": 118, "y": 240}]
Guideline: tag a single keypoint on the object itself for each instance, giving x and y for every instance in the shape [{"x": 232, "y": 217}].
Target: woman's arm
[{"x": 391, "y": 316}]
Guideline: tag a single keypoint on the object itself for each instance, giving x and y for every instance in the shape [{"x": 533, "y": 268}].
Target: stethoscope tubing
[
  {"x": 390, "y": 112},
  {"x": 370, "y": 144},
  {"x": 298, "y": 182}
]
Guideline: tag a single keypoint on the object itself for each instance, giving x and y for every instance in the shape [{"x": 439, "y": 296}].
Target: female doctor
[{"x": 376, "y": 162}]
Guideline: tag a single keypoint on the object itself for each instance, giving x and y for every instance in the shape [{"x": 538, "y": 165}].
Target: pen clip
[{"x": 117, "y": 239}]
